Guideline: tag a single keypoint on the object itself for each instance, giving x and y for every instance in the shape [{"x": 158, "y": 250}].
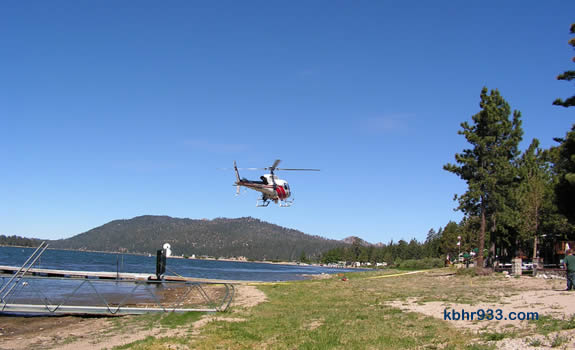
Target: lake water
[{"x": 197, "y": 268}]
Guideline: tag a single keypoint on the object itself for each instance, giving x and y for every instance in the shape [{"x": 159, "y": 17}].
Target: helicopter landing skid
[
  {"x": 286, "y": 204},
  {"x": 262, "y": 203}
]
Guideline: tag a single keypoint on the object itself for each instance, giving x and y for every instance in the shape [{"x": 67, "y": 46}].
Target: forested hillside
[
  {"x": 19, "y": 241},
  {"x": 248, "y": 237}
]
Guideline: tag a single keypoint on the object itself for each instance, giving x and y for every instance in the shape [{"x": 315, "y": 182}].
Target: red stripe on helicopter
[
  {"x": 249, "y": 184},
  {"x": 281, "y": 192}
]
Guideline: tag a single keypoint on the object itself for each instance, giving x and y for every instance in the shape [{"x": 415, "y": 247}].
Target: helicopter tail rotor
[{"x": 237, "y": 173}]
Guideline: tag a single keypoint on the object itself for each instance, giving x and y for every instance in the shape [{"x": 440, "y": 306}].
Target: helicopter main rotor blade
[
  {"x": 297, "y": 169},
  {"x": 243, "y": 168},
  {"x": 276, "y": 163},
  {"x": 273, "y": 167}
]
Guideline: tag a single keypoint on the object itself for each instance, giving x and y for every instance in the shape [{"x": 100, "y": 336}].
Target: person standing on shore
[{"x": 569, "y": 263}]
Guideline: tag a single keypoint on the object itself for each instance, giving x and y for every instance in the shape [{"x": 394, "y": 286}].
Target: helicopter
[{"x": 270, "y": 186}]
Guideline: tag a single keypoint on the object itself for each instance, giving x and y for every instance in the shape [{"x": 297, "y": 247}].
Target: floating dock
[
  {"x": 107, "y": 275},
  {"x": 89, "y": 274},
  {"x": 46, "y": 291},
  {"x": 27, "y": 289}
]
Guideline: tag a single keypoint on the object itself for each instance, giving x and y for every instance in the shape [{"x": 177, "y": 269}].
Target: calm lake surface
[{"x": 213, "y": 269}]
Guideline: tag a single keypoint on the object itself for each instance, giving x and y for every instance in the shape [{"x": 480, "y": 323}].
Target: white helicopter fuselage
[{"x": 270, "y": 186}]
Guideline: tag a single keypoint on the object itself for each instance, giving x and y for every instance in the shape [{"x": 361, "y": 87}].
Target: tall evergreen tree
[
  {"x": 432, "y": 244},
  {"x": 563, "y": 157},
  {"x": 568, "y": 76},
  {"x": 565, "y": 162},
  {"x": 532, "y": 193},
  {"x": 487, "y": 167},
  {"x": 448, "y": 239}
]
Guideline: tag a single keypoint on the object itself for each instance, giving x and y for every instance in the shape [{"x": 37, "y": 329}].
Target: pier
[
  {"x": 49, "y": 291},
  {"x": 86, "y": 274}
]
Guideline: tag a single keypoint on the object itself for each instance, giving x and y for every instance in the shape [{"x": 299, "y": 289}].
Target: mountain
[
  {"x": 248, "y": 237},
  {"x": 355, "y": 239}
]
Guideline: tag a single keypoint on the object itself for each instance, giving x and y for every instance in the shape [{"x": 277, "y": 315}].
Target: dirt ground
[
  {"x": 74, "y": 332},
  {"x": 546, "y": 297}
]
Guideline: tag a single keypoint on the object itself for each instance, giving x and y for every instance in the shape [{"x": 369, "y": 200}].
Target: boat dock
[
  {"x": 27, "y": 289},
  {"x": 107, "y": 275},
  {"x": 91, "y": 274}
]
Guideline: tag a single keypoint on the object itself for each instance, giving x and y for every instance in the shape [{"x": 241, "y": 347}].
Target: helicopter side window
[
  {"x": 264, "y": 180},
  {"x": 286, "y": 186}
]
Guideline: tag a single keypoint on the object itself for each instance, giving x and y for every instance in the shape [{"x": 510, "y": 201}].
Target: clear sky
[{"x": 115, "y": 109}]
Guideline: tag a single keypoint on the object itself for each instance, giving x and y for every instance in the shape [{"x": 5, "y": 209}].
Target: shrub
[{"x": 427, "y": 263}]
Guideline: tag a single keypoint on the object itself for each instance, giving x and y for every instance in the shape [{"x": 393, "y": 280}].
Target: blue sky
[{"x": 111, "y": 110}]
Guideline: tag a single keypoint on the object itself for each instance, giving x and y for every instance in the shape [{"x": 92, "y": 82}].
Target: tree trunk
[
  {"x": 481, "y": 238},
  {"x": 491, "y": 256},
  {"x": 536, "y": 228},
  {"x": 535, "y": 260}
]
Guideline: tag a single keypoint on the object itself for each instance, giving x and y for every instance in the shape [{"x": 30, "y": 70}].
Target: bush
[{"x": 427, "y": 263}]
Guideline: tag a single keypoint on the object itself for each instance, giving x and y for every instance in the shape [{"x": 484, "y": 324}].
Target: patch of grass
[
  {"x": 472, "y": 272},
  {"x": 534, "y": 342},
  {"x": 184, "y": 319},
  {"x": 354, "y": 315},
  {"x": 148, "y": 321},
  {"x": 548, "y": 324},
  {"x": 558, "y": 340},
  {"x": 155, "y": 343},
  {"x": 480, "y": 347},
  {"x": 140, "y": 344},
  {"x": 69, "y": 340},
  {"x": 493, "y": 336},
  {"x": 351, "y": 320}
]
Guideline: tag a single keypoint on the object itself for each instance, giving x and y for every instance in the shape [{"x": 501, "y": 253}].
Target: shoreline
[{"x": 290, "y": 263}]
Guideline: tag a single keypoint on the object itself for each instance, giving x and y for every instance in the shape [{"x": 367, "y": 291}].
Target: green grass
[
  {"x": 174, "y": 320},
  {"x": 534, "y": 342},
  {"x": 558, "y": 340},
  {"x": 494, "y": 336},
  {"x": 352, "y": 314},
  {"x": 547, "y": 324},
  {"x": 328, "y": 314},
  {"x": 481, "y": 347}
]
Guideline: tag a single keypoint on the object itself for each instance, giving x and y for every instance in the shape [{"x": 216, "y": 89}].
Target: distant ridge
[
  {"x": 220, "y": 237},
  {"x": 356, "y": 240}
]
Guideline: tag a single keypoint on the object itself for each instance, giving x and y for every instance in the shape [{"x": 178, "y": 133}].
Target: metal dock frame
[
  {"x": 125, "y": 306},
  {"x": 8, "y": 287},
  {"x": 30, "y": 289}
]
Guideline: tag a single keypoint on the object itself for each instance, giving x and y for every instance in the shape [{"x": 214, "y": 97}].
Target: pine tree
[
  {"x": 532, "y": 193},
  {"x": 565, "y": 162},
  {"x": 564, "y": 168},
  {"x": 448, "y": 239},
  {"x": 487, "y": 166},
  {"x": 568, "y": 76}
]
